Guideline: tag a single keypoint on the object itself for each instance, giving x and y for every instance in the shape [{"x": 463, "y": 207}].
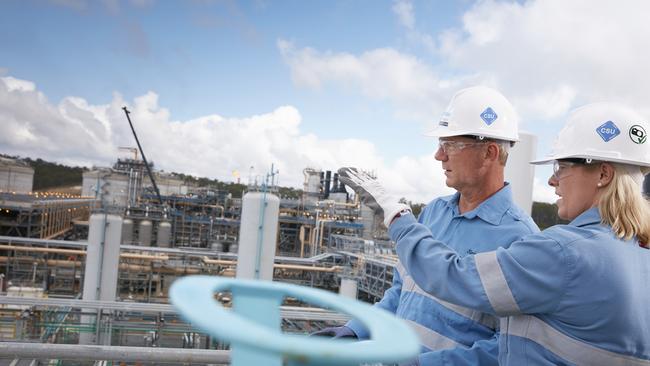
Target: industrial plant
[
  {"x": 85, "y": 278},
  {"x": 95, "y": 269}
]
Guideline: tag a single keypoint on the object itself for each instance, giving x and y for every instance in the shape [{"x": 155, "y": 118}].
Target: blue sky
[{"x": 219, "y": 86}]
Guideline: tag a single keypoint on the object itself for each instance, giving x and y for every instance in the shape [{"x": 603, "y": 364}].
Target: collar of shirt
[
  {"x": 491, "y": 210},
  {"x": 589, "y": 217}
]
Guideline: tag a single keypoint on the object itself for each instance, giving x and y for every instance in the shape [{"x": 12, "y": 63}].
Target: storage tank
[
  {"x": 127, "y": 231},
  {"x": 257, "y": 236},
  {"x": 313, "y": 182},
  {"x": 520, "y": 173},
  {"x": 312, "y": 186},
  {"x": 15, "y": 176},
  {"x": 233, "y": 248},
  {"x": 164, "y": 234},
  {"x": 144, "y": 233},
  {"x": 348, "y": 288},
  {"x": 216, "y": 247},
  {"x": 111, "y": 186}
]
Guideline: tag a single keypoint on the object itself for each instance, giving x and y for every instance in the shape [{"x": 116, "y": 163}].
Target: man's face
[{"x": 462, "y": 160}]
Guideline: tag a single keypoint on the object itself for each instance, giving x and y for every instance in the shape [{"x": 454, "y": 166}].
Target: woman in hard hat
[{"x": 576, "y": 294}]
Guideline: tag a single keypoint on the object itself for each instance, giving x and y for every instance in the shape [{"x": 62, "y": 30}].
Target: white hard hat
[
  {"x": 603, "y": 132},
  {"x": 478, "y": 111}
]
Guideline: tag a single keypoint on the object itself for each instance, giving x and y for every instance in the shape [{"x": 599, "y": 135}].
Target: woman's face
[{"x": 577, "y": 186}]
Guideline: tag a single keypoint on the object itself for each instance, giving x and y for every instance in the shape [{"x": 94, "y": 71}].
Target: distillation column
[
  {"x": 102, "y": 263},
  {"x": 257, "y": 235}
]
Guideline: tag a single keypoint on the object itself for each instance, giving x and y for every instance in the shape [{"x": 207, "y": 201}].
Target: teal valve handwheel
[{"x": 252, "y": 327}]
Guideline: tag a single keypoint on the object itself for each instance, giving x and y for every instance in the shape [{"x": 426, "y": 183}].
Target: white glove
[{"x": 372, "y": 194}]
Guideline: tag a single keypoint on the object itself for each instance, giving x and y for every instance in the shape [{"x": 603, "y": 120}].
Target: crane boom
[{"x": 146, "y": 164}]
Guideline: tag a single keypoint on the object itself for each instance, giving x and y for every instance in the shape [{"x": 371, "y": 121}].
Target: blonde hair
[{"x": 623, "y": 207}]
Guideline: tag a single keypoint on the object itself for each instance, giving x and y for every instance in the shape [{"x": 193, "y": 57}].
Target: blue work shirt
[
  {"x": 571, "y": 295},
  {"x": 451, "y": 334}
]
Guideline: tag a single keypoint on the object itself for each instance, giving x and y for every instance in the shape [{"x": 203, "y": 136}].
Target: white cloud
[
  {"x": 411, "y": 85},
  {"x": 76, "y": 132},
  {"x": 404, "y": 11},
  {"x": 547, "y": 103},
  {"x": 547, "y": 56},
  {"x": 542, "y": 192},
  {"x": 556, "y": 53},
  {"x": 13, "y": 84}
]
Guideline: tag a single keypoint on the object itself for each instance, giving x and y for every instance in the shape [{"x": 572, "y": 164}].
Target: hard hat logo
[
  {"x": 638, "y": 134},
  {"x": 489, "y": 116},
  {"x": 608, "y": 131}
]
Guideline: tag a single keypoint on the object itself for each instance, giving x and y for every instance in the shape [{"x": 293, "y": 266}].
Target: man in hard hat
[
  {"x": 574, "y": 294},
  {"x": 475, "y": 134}
]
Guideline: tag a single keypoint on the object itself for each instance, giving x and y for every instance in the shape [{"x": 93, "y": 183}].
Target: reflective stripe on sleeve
[
  {"x": 477, "y": 316},
  {"x": 566, "y": 347},
  {"x": 432, "y": 339},
  {"x": 400, "y": 268},
  {"x": 494, "y": 283}
]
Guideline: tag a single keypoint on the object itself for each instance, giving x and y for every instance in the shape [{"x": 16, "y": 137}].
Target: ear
[
  {"x": 492, "y": 151},
  {"x": 606, "y": 171}
]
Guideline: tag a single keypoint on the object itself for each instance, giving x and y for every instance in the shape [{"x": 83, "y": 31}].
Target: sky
[{"x": 224, "y": 89}]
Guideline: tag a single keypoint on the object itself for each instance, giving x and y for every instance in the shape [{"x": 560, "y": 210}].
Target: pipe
[
  {"x": 50, "y": 262},
  {"x": 309, "y": 268},
  {"x": 328, "y": 177},
  {"x": 81, "y": 252},
  {"x": 335, "y": 183},
  {"x": 226, "y": 262},
  {"x": 130, "y": 354},
  {"x": 223, "y": 210},
  {"x": 344, "y": 204},
  {"x": 144, "y": 256},
  {"x": 43, "y": 250},
  {"x": 123, "y": 266}
]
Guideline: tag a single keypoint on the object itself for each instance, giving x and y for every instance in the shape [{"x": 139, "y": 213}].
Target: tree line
[{"x": 49, "y": 175}]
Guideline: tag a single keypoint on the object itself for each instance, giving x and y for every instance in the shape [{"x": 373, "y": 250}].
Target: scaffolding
[{"x": 42, "y": 215}]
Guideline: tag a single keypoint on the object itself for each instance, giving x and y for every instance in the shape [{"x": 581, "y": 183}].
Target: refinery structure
[
  {"x": 95, "y": 269},
  {"x": 85, "y": 279}
]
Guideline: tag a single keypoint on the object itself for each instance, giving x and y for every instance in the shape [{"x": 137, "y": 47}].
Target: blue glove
[{"x": 335, "y": 332}]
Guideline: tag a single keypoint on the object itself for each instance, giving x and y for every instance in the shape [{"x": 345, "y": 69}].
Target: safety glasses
[
  {"x": 561, "y": 168},
  {"x": 450, "y": 147}
]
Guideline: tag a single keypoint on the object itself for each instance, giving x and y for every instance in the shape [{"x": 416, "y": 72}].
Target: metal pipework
[
  {"x": 130, "y": 354},
  {"x": 232, "y": 263},
  {"x": 81, "y": 252},
  {"x": 288, "y": 312},
  {"x": 43, "y": 250},
  {"x": 122, "y": 266}
]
